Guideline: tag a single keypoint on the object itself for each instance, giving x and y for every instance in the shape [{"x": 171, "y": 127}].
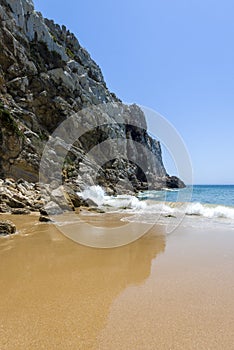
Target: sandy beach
[
  {"x": 116, "y": 174},
  {"x": 160, "y": 292}
]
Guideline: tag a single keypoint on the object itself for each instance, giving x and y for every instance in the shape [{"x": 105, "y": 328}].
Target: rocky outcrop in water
[{"x": 46, "y": 77}]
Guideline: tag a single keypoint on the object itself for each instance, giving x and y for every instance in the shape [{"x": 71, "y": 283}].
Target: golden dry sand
[{"x": 160, "y": 292}]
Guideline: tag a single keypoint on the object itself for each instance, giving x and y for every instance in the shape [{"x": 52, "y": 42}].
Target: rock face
[{"x": 45, "y": 77}]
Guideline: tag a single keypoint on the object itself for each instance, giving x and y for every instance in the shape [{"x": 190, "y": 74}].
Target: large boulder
[
  {"x": 75, "y": 199},
  {"x": 60, "y": 197},
  {"x": 53, "y": 208}
]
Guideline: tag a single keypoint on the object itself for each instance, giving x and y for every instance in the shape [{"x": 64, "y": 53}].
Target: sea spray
[
  {"x": 98, "y": 196},
  {"x": 95, "y": 193}
]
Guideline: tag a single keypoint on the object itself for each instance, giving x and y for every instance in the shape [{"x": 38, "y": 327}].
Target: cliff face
[{"x": 46, "y": 77}]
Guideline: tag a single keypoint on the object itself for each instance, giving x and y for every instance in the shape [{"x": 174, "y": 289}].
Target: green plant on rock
[
  {"x": 54, "y": 38},
  {"x": 70, "y": 53}
]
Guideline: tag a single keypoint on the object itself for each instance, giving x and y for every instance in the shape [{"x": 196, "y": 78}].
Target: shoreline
[{"x": 142, "y": 213}]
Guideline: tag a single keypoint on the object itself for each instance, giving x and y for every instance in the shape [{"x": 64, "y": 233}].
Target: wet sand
[{"x": 160, "y": 292}]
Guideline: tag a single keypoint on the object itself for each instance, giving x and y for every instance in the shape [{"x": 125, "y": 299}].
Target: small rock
[
  {"x": 7, "y": 228},
  {"x": 10, "y": 183},
  {"x": 89, "y": 203},
  {"x": 96, "y": 210},
  {"x": 43, "y": 212},
  {"x": 20, "y": 181},
  {"x": 44, "y": 218},
  {"x": 4, "y": 208}
]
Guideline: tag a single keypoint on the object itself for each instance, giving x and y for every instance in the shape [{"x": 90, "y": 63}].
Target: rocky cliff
[{"x": 46, "y": 77}]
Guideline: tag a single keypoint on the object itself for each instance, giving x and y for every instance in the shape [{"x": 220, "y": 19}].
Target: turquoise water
[
  {"x": 214, "y": 194},
  {"x": 204, "y": 194}
]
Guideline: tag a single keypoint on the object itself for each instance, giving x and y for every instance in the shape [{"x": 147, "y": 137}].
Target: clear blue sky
[{"x": 174, "y": 56}]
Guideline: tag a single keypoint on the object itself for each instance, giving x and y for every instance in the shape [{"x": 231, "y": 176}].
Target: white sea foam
[
  {"x": 125, "y": 202},
  {"x": 151, "y": 211},
  {"x": 95, "y": 193},
  {"x": 218, "y": 211}
]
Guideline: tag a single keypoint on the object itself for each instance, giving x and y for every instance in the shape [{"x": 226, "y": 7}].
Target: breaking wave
[
  {"x": 98, "y": 196},
  {"x": 149, "y": 210},
  {"x": 95, "y": 193},
  {"x": 210, "y": 211}
]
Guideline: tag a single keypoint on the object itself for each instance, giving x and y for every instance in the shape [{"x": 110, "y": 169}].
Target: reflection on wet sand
[{"x": 56, "y": 294}]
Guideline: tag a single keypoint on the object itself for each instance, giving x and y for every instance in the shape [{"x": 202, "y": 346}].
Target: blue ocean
[
  {"x": 204, "y": 194},
  {"x": 214, "y": 194}
]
